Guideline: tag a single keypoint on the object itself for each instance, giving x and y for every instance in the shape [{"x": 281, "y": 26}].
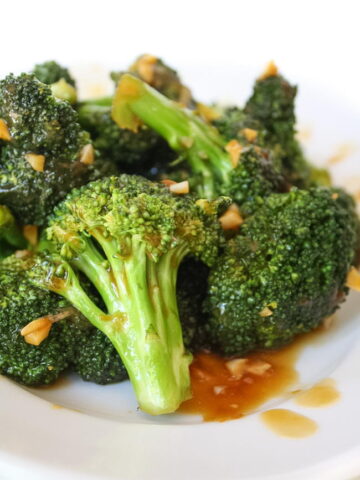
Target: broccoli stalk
[
  {"x": 183, "y": 130},
  {"x": 129, "y": 236}
]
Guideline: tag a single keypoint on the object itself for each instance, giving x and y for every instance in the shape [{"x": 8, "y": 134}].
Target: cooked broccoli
[
  {"x": 214, "y": 170},
  {"x": 11, "y": 238},
  {"x": 284, "y": 273},
  {"x": 96, "y": 360},
  {"x": 62, "y": 84},
  {"x": 51, "y": 72},
  {"x": 22, "y": 302},
  {"x": 272, "y": 104},
  {"x": 128, "y": 150},
  {"x": 47, "y": 153},
  {"x": 128, "y": 236}
]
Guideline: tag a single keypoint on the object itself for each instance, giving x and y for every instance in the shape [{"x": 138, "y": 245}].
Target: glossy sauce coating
[{"x": 219, "y": 395}]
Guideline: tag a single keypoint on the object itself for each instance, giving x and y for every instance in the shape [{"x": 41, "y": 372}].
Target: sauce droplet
[
  {"x": 288, "y": 424},
  {"x": 322, "y": 394}
]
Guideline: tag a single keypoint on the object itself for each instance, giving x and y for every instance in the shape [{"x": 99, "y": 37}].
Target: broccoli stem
[
  {"x": 142, "y": 321},
  {"x": 187, "y": 134}
]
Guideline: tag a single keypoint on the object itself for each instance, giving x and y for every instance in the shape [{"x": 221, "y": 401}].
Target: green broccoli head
[
  {"x": 22, "y": 302},
  {"x": 254, "y": 179},
  {"x": 128, "y": 236},
  {"x": 62, "y": 84},
  {"x": 96, "y": 360},
  {"x": 47, "y": 153},
  {"x": 272, "y": 105},
  {"x": 284, "y": 273},
  {"x": 51, "y": 72}
]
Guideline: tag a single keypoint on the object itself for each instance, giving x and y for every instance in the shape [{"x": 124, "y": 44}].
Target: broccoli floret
[
  {"x": 20, "y": 303},
  {"x": 128, "y": 150},
  {"x": 128, "y": 236},
  {"x": 45, "y": 157},
  {"x": 62, "y": 84},
  {"x": 272, "y": 104},
  {"x": 284, "y": 273},
  {"x": 11, "y": 238},
  {"x": 51, "y": 72},
  {"x": 96, "y": 360},
  {"x": 214, "y": 168}
]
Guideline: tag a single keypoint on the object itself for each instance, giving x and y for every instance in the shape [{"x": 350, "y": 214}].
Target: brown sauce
[
  {"x": 288, "y": 424},
  {"x": 218, "y": 395},
  {"x": 322, "y": 394}
]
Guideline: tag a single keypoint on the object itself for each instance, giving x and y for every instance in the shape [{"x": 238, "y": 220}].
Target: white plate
[{"x": 101, "y": 435}]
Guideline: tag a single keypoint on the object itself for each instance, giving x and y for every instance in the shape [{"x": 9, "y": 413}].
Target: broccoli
[
  {"x": 128, "y": 236},
  {"x": 51, "y": 72},
  {"x": 11, "y": 238},
  {"x": 46, "y": 153},
  {"x": 62, "y": 84},
  {"x": 284, "y": 273},
  {"x": 22, "y": 302},
  {"x": 128, "y": 150},
  {"x": 272, "y": 104},
  {"x": 216, "y": 167},
  {"x": 96, "y": 359}
]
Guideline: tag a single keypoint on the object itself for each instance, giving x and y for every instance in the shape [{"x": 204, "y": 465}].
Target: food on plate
[{"x": 144, "y": 228}]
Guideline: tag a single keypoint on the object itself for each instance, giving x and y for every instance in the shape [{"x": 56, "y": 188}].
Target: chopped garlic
[
  {"x": 258, "y": 367},
  {"x": 353, "y": 279},
  {"x": 4, "y": 131},
  {"x": 36, "y": 161},
  {"x": 87, "y": 154},
  {"x": 206, "y": 113},
  {"x": 237, "y": 367},
  {"x": 231, "y": 219},
  {"x": 145, "y": 67},
  {"x": 234, "y": 149},
  {"x": 36, "y": 331},
  {"x": 265, "y": 312},
  {"x": 30, "y": 232},
  {"x": 271, "y": 70},
  {"x": 180, "y": 188},
  {"x": 250, "y": 134}
]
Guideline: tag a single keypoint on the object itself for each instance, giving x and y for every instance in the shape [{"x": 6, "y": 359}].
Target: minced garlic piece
[
  {"x": 265, "y": 312},
  {"x": 271, "y": 70},
  {"x": 36, "y": 161},
  {"x": 231, "y": 219},
  {"x": 257, "y": 367},
  {"x": 4, "y": 131},
  {"x": 353, "y": 279},
  {"x": 87, "y": 154},
  {"x": 36, "y": 331},
  {"x": 237, "y": 367},
  {"x": 30, "y": 232},
  {"x": 180, "y": 188},
  {"x": 144, "y": 66},
  {"x": 234, "y": 149},
  {"x": 249, "y": 133},
  {"x": 206, "y": 113}
]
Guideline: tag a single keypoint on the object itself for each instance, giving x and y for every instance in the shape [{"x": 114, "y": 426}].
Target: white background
[{"x": 312, "y": 40}]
